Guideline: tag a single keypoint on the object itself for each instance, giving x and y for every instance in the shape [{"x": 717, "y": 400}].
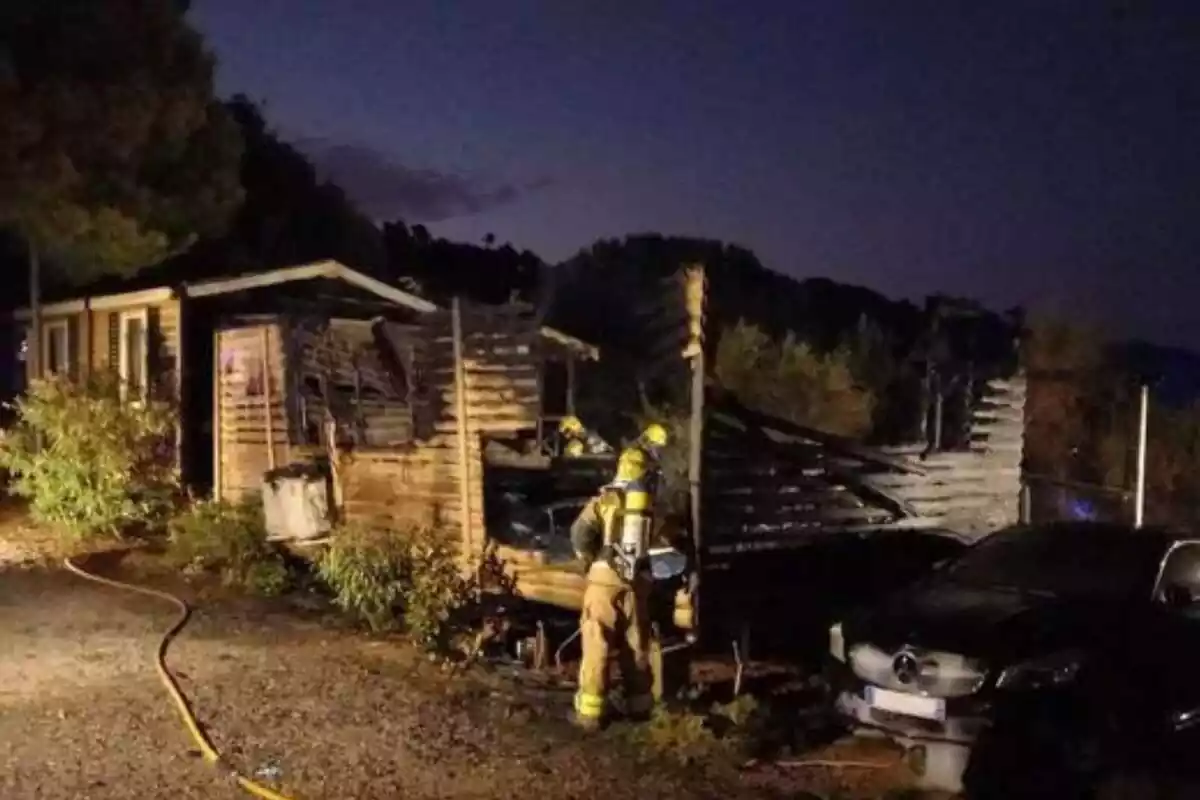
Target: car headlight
[
  {"x": 1184, "y": 720},
  {"x": 837, "y": 644},
  {"x": 1043, "y": 672}
]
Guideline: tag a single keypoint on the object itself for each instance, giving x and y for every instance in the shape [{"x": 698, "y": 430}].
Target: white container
[{"x": 296, "y": 507}]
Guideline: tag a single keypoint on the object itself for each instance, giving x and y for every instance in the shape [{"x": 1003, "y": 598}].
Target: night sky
[{"x": 1042, "y": 151}]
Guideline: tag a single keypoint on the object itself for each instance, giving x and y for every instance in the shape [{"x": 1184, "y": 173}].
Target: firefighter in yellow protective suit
[
  {"x": 612, "y": 537},
  {"x": 578, "y": 440}
]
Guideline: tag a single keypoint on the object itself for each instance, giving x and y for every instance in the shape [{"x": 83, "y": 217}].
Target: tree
[
  {"x": 1063, "y": 363},
  {"x": 790, "y": 379},
  {"x": 113, "y": 152},
  {"x": 289, "y": 216},
  {"x": 486, "y": 274}
]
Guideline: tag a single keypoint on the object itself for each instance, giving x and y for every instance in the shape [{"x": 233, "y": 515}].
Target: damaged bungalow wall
[
  {"x": 759, "y": 485},
  {"x": 413, "y": 403},
  {"x": 973, "y": 491},
  {"x": 797, "y": 485},
  {"x": 476, "y": 374},
  {"x": 252, "y": 431}
]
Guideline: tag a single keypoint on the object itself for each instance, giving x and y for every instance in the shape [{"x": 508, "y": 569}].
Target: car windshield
[{"x": 1054, "y": 560}]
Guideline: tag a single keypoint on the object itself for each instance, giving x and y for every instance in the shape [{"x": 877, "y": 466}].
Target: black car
[{"x": 1062, "y": 659}]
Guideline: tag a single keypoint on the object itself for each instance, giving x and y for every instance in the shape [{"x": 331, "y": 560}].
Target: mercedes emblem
[{"x": 906, "y": 667}]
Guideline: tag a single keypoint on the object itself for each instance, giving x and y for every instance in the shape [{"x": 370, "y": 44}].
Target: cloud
[{"x": 385, "y": 189}]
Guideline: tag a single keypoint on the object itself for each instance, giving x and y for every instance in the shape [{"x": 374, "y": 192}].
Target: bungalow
[{"x": 189, "y": 342}]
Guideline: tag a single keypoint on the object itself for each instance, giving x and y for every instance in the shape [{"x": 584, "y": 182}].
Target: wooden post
[
  {"x": 33, "y": 342},
  {"x": 460, "y": 396},
  {"x": 83, "y": 357},
  {"x": 217, "y": 422},
  {"x": 695, "y": 464},
  {"x": 571, "y": 385},
  {"x": 183, "y": 406},
  {"x": 697, "y": 303},
  {"x": 268, "y": 412}
]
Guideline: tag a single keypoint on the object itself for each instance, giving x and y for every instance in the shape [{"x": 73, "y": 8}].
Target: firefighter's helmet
[
  {"x": 574, "y": 448},
  {"x": 655, "y": 435},
  {"x": 571, "y": 426}
]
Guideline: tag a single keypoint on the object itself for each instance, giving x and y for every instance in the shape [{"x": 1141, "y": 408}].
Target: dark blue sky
[{"x": 1038, "y": 151}]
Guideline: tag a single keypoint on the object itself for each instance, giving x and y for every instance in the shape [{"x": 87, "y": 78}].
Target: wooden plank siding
[
  {"x": 246, "y": 419},
  {"x": 977, "y": 490},
  {"x": 411, "y": 469}
]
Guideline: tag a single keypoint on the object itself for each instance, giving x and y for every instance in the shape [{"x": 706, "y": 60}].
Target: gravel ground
[
  {"x": 83, "y": 716},
  {"x": 317, "y": 710}
]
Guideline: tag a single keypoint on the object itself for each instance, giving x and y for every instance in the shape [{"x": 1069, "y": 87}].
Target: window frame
[
  {"x": 124, "y": 317},
  {"x": 49, "y": 328}
]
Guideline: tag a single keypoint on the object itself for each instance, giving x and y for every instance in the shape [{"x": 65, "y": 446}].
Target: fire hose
[{"x": 207, "y": 750}]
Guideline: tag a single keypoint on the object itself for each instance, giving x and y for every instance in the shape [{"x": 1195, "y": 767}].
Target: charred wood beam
[{"x": 728, "y": 411}]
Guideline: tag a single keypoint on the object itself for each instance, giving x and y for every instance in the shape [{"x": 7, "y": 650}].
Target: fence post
[{"x": 1139, "y": 498}]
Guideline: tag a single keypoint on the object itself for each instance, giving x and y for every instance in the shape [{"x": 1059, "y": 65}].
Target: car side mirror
[{"x": 1178, "y": 596}]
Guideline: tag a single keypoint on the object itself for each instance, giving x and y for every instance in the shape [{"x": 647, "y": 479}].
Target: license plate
[{"x": 910, "y": 705}]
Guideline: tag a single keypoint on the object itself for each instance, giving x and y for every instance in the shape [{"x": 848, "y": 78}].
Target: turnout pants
[{"x": 614, "y": 621}]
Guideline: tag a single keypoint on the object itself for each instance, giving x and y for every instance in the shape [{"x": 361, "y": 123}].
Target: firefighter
[
  {"x": 612, "y": 537},
  {"x": 578, "y": 440}
]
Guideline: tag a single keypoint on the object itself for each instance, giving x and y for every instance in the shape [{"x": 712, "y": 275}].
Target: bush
[
  {"x": 231, "y": 540},
  {"x": 88, "y": 461},
  {"x": 733, "y": 731},
  {"x": 437, "y": 589},
  {"x": 366, "y": 569},
  {"x": 414, "y": 571}
]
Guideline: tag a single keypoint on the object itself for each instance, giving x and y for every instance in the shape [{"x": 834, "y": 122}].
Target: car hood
[{"x": 971, "y": 621}]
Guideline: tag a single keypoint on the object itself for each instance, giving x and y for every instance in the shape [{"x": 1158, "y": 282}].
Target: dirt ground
[{"x": 313, "y": 708}]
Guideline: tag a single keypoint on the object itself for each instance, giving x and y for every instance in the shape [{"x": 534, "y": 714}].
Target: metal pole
[{"x": 1139, "y": 502}]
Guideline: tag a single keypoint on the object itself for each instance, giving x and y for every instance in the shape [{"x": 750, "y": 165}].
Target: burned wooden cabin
[
  {"x": 256, "y": 361},
  {"x": 402, "y": 411}
]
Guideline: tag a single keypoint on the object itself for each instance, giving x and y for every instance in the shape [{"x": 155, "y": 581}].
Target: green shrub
[
  {"x": 231, "y": 540},
  {"x": 366, "y": 569},
  {"x": 414, "y": 571},
  {"x": 437, "y": 590},
  {"x": 88, "y": 461}
]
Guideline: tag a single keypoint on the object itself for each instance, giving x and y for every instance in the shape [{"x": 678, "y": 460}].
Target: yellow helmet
[
  {"x": 655, "y": 435},
  {"x": 570, "y": 426},
  {"x": 574, "y": 448},
  {"x": 631, "y": 466}
]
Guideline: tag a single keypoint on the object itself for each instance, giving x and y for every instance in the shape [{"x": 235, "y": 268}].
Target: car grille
[{"x": 937, "y": 674}]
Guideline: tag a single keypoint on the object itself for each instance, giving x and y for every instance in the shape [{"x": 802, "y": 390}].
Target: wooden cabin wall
[
  {"x": 421, "y": 485},
  {"x": 251, "y": 419},
  {"x": 428, "y": 482},
  {"x": 503, "y": 356},
  {"x": 372, "y": 391},
  {"x": 977, "y": 490}
]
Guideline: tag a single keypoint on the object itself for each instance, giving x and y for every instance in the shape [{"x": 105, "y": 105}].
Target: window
[
  {"x": 1060, "y": 560},
  {"x": 133, "y": 360},
  {"x": 1181, "y": 575},
  {"x": 556, "y": 388},
  {"x": 56, "y": 342}
]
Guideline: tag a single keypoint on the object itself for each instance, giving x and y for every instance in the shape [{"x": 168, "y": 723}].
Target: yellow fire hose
[{"x": 206, "y": 748}]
